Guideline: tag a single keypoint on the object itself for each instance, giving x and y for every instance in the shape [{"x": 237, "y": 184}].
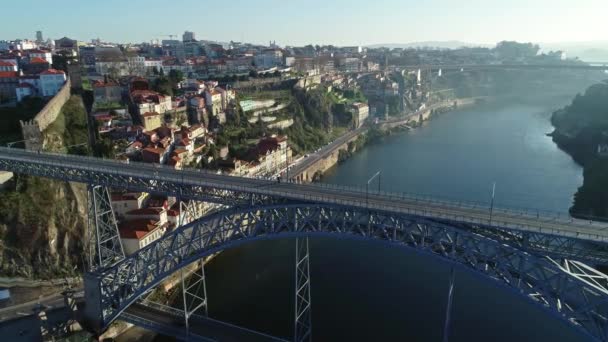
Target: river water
[{"x": 366, "y": 291}]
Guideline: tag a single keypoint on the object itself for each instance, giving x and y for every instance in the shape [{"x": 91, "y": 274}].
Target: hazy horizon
[{"x": 340, "y": 22}]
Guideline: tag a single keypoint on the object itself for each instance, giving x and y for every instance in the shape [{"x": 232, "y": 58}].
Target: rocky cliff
[{"x": 42, "y": 221}]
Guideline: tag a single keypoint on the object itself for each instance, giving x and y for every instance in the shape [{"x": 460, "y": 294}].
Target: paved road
[
  {"x": 503, "y": 66},
  {"x": 25, "y": 309},
  {"x": 144, "y": 177}
]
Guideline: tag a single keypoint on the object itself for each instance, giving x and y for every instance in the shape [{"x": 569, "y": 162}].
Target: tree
[{"x": 176, "y": 76}]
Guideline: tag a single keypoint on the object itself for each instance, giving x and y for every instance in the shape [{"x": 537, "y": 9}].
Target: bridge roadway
[
  {"x": 503, "y": 66},
  {"x": 147, "y": 177}
]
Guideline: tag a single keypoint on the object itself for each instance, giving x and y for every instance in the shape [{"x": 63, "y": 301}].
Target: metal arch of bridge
[
  {"x": 540, "y": 280},
  {"x": 549, "y": 235}
]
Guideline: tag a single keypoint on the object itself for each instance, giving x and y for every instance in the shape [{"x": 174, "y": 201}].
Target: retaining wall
[{"x": 32, "y": 129}]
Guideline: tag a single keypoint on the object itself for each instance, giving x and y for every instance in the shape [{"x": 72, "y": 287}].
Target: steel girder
[
  {"x": 105, "y": 247},
  {"x": 538, "y": 279},
  {"x": 245, "y": 192},
  {"x": 303, "y": 305},
  {"x": 147, "y": 181},
  {"x": 542, "y": 244}
]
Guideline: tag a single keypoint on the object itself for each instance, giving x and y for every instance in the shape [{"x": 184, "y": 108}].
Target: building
[
  {"x": 188, "y": 36},
  {"x": 151, "y": 121},
  {"x": 39, "y": 38},
  {"x": 8, "y": 66},
  {"x": 137, "y": 234},
  {"x": 158, "y": 214},
  {"x": 123, "y": 203},
  {"x": 213, "y": 99},
  {"x": 228, "y": 97},
  {"x": 146, "y": 101},
  {"x": 269, "y": 156},
  {"x": 360, "y": 113},
  {"x": 9, "y": 80},
  {"x": 51, "y": 81},
  {"x": 42, "y": 54},
  {"x": 66, "y": 45},
  {"x": 269, "y": 58},
  {"x": 107, "y": 92}
]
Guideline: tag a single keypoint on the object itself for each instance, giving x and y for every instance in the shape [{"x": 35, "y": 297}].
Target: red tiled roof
[
  {"x": 147, "y": 114},
  {"x": 8, "y": 74},
  {"x": 5, "y": 63},
  {"x": 37, "y": 51},
  {"x": 38, "y": 60},
  {"x": 146, "y": 211},
  {"x": 52, "y": 72},
  {"x": 137, "y": 229},
  {"x": 172, "y": 213}
]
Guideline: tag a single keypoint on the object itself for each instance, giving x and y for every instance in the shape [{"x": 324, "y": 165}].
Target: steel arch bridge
[{"x": 577, "y": 300}]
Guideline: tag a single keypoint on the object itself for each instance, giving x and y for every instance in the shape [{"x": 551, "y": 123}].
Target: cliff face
[
  {"x": 579, "y": 129},
  {"x": 42, "y": 228},
  {"x": 42, "y": 221}
]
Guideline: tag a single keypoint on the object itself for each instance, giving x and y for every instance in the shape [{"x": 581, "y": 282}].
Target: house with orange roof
[{"x": 137, "y": 234}]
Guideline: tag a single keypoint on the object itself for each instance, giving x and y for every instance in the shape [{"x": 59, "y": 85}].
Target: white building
[
  {"x": 124, "y": 203},
  {"x": 51, "y": 81},
  {"x": 137, "y": 234},
  {"x": 8, "y": 66},
  {"x": 361, "y": 112},
  {"x": 46, "y": 55}
]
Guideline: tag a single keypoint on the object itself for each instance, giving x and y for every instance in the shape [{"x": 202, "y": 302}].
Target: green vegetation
[
  {"x": 69, "y": 129},
  {"x": 580, "y": 128}
]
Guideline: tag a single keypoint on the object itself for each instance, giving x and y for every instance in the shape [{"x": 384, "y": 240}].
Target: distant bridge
[
  {"x": 536, "y": 256},
  {"x": 469, "y": 67}
]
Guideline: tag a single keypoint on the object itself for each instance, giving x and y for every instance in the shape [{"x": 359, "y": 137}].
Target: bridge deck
[{"x": 186, "y": 183}]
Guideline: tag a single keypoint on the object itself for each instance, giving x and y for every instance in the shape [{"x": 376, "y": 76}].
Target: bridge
[
  {"x": 468, "y": 67},
  {"x": 544, "y": 258}
]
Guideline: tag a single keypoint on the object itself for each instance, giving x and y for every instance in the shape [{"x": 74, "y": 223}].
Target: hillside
[
  {"x": 579, "y": 129},
  {"x": 42, "y": 222}
]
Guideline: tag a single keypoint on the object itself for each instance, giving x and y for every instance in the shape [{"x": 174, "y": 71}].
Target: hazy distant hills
[
  {"x": 448, "y": 44},
  {"x": 595, "y": 51}
]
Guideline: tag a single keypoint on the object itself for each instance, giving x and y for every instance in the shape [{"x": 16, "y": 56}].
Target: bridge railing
[{"x": 262, "y": 185}]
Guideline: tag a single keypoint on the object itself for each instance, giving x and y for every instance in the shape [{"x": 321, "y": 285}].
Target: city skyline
[{"x": 381, "y": 22}]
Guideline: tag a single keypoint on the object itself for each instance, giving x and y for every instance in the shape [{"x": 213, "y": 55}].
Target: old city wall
[
  {"x": 323, "y": 164},
  {"x": 32, "y": 130}
]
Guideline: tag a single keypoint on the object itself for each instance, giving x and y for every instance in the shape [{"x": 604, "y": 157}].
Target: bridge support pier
[
  {"x": 194, "y": 293},
  {"x": 105, "y": 247},
  {"x": 303, "y": 313}
]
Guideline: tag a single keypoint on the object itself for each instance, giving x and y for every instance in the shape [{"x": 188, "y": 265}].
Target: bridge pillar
[
  {"x": 194, "y": 290},
  {"x": 105, "y": 248},
  {"x": 303, "y": 313}
]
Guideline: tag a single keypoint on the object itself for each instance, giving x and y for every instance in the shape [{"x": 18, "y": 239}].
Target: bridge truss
[{"x": 539, "y": 279}]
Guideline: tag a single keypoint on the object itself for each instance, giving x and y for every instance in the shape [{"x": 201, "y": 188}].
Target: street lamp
[
  {"x": 492, "y": 201},
  {"x": 377, "y": 174}
]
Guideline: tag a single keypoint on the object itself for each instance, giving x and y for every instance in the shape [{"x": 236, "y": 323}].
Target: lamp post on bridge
[
  {"x": 492, "y": 201},
  {"x": 377, "y": 174}
]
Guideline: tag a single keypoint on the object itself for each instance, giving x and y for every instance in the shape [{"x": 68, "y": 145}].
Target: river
[{"x": 363, "y": 291}]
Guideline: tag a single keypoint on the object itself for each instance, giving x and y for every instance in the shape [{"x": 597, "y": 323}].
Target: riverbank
[
  {"x": 391, "y": 126},
  {"x": 581, "y": 130}
]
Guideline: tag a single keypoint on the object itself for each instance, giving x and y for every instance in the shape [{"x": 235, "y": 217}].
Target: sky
[{"x": 300, "y": 22}]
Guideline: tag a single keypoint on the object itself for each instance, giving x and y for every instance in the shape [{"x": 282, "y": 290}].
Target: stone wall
[{"x": 32, "y": 130}]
